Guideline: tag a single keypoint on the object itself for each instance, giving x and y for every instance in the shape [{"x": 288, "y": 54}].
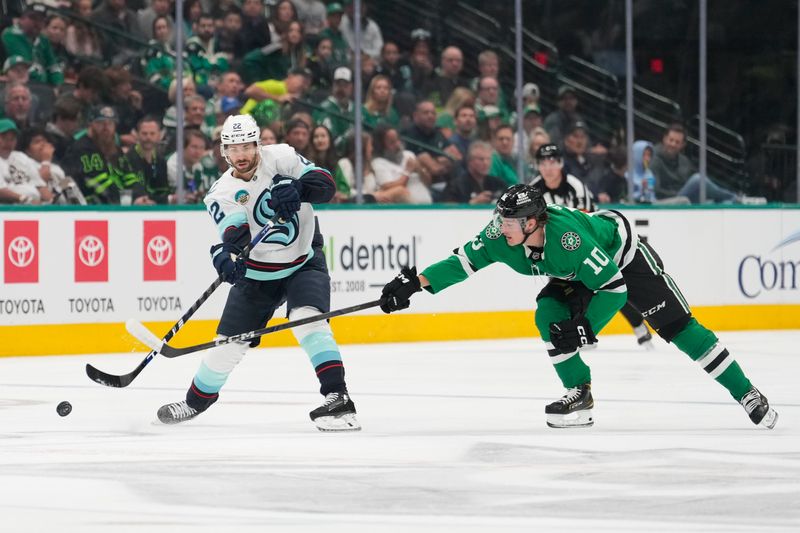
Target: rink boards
[{"x": 72, "y": 277}]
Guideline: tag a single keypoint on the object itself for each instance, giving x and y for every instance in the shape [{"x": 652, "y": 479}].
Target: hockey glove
[
  {"x": 228, "y": 266},
  {"x": 568, "y": 336},
  {"x": 396, "y": 294},
  {"x": 238, "y": 236},
  {"x": 286, "y": 193}
]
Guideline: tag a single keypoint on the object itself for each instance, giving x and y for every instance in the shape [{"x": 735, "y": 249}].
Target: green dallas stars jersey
[{"x": 590, "y": 248}]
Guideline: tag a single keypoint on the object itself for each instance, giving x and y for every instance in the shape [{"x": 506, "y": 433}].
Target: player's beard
[{"x": 248, "y": 171}]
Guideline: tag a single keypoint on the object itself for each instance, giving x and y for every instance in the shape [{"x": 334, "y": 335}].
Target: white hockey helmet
[{"x": 238, "y": 129}]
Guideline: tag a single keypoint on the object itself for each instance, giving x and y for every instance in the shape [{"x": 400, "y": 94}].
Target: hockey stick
[
  {"x": 148, "y": 338},
  {"x": 111, "y": 380}
]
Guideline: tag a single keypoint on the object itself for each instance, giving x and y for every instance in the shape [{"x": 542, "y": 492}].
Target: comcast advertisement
[{"x": 66, "y": 267}]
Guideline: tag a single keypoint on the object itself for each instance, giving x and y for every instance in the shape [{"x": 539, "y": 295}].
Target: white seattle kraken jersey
[{"x": 233, "y": 202}]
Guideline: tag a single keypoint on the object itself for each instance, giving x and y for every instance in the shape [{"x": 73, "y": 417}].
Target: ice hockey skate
[
  {"x": 337, "y": 413},
  {"x": 644, "y": 337},
  {"x": 173, "y": 413},
  {"x": 758, "y": 409},
  {"x": 573, "y": 410}
]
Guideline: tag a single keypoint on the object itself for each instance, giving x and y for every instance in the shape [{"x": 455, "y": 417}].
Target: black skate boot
[
  {"x": 172, "y": 413},
  {"x": 573, "y": 410},
  {"x": 644, "y": 337},
  {"x": 337, "y": 413},
  {"x": 758, "y": 409}
]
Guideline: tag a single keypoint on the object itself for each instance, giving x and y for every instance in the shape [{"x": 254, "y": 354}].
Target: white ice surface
[{"x": 454, "y": 439}]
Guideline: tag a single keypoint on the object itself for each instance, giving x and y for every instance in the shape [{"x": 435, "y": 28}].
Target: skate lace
[
  {"x": 751, "y": 400},
  {"x": 571, "y": 395},
  {"x": 180, "y": 410},
  {"x": 330, "y": 398}
]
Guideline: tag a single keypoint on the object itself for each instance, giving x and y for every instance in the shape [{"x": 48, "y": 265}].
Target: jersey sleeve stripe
[
  {"x": 234, "y": 219},
  {"x": 468, "y": 267},
  {"x": 617, "y": 284},
  {"x": 318, "y": 170}
]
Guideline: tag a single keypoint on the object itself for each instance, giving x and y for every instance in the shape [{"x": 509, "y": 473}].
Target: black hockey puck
[{"x": 64, "y": 408}]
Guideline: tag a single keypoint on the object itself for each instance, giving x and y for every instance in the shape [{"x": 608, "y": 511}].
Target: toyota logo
[
  {"x": 159, "y": 250},
  {"x": 91, "y": 251},
  {"x": 21, "y": 252}
]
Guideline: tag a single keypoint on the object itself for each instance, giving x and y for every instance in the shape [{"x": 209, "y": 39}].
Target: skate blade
[
  {"x": 345, "y": 422},
  {"x": 579, "y": 419},
  {"x": 770, "y": 419},
  {"x": 647, "y": 345}
]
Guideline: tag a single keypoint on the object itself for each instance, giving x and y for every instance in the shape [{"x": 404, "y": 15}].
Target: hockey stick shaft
[
  {"x": 111, "y": 380},
  {"x": 148, "y": 338}
]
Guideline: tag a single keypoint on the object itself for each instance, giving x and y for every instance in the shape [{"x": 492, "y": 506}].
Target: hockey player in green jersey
[{"x": 606, "y": 265}]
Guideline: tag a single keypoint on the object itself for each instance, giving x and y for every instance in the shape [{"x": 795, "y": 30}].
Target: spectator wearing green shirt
[
  {"x": 204, "y": 57},
  {"x": 337, "y": 110},
  {"x": 341, "y": 50},
  {"x": 274, "y": 61},
  {"x": 159, "y": 59},
  {"x": 25, "y": 38},
  {"x": 504, "y": 162},
  {"x": 378, "y": 107}
]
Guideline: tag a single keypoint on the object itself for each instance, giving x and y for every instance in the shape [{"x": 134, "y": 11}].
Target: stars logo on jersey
[
  {"x": 570, "y": 241},
  {"x": 242, "y": 196},
  {"x": 493, "y": 230}
]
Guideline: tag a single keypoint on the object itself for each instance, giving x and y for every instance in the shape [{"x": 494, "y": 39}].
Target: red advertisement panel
[
  {"x": 91, "y": 250},
  {"x": 159, "y": 250},
  {"x": 21, "y": 246}
]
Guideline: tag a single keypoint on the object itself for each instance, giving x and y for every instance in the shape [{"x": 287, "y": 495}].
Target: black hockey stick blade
[
  {"x": 148, "y": 338},
  {"x": 112, "y": 380}
]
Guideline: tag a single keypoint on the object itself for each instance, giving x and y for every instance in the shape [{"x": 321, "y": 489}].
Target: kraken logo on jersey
[
  {"x": 242, "y": 196},
  {"x": 571, "y": 241},
  {"x": 284, "y": 233}
]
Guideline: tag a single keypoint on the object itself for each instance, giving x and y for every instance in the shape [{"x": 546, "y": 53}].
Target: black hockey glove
[
  {"x": 238, "y": 236},
  {"x": 228, "y": 266},
  {"x": 286, "y": 193},
  {"x": 396, "y": 294},
  {"x": 568, "y": 336}
]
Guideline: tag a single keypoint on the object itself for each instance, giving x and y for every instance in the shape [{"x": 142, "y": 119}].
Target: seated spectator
[
  {"x": 158, "y": 62},
  {"x": 37, "y": 146},
  {"x": 447, "y": 77},
  {"x": 230, "y": 37},
  {"x": 644, "y": 182},
  {"x": 489, "y": 66},
  {"x": 92, "y": 84},
  {"x": 675, "y": 174},
  {"x": 115, "y": 14},
  {"x": 465, "y": 129},
  {"x": 274, "y": 61},
  {"x": 82, "y": 40},
  {"x": 559, "y": 187},
  {"x": 489, "y": 98},
  {"x": 578, "y": 160},
  {"x": 321, "y": 66},
  {"x": 378, "y": 107},
  {"x": 282, "y": 91},
  {"x": 394, "y": 166},
  {"x": 322, "y": 150},
  {"x": 475, "y": 185},
  {"x": 55, "y": 30},
  {"x": 26, "y": 39},
  {"x": 489, "y": 119},
  {"x": 539, "y": 137},
  {"x": 18, "y": 105},
  {"x": 16, "y": 70},
  {"x": 192, "y": 115},
  {"x": 392, "y": 66},
  {"x": 371, "y": 36},
  {"x": 346, "y": 183},
  {"x": 281, "y": 15},
  {"x": 460, "y": 97},
  {"x": 504, "y": 160},
  {"x": 196, "y": 179},
  {"x": 20, "y": 181},
  {"x": 230, "y": 86},
  {"x": 98, "y": 165},
  {"x": 146, "y": 16},
  {"x": 205, "y": 60},
  {"x": 336, "y": 112},
  {"x": 312, "y": 14},
  {"x": 434, "y": 152},
  {"x": 268, "y": 137},
  {"x": 530, "y": 95},
  {"x": 557, "y": 122},
  {"x": 341, "y": 50},
  {"x": 126, "y": 101},
  {"x": 63, "y": 126},
  {"x": 298, "y": 136},
  {"x": 147, "y": 158},
  {"x": 421, "y": 63},
  {"x": 531, "y": 119},
  {"x": 254, "y": 30},
  {"x": 192, "y": 9},
  {"x": 613, "y": 185}
]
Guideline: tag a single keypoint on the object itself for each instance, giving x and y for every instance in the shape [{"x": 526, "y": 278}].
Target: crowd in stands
[{"x": 73, "y": 128}]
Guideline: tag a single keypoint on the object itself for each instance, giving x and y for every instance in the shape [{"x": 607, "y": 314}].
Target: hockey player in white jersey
[{"x": 269, "y": 183}]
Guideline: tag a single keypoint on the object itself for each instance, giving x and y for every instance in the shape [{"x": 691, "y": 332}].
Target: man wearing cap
[
  {"x": 97, "y": 164},
  {"x": 338, "y": 107},
  {"x": 25, "y": 39},
  {"x": 585, "y": 164},
  {"x": 556, "y": 123},
  {"x": 341, "y": 50},
  {"x": 16, "y": 69},
  {"x": 20, "y": 182}
]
